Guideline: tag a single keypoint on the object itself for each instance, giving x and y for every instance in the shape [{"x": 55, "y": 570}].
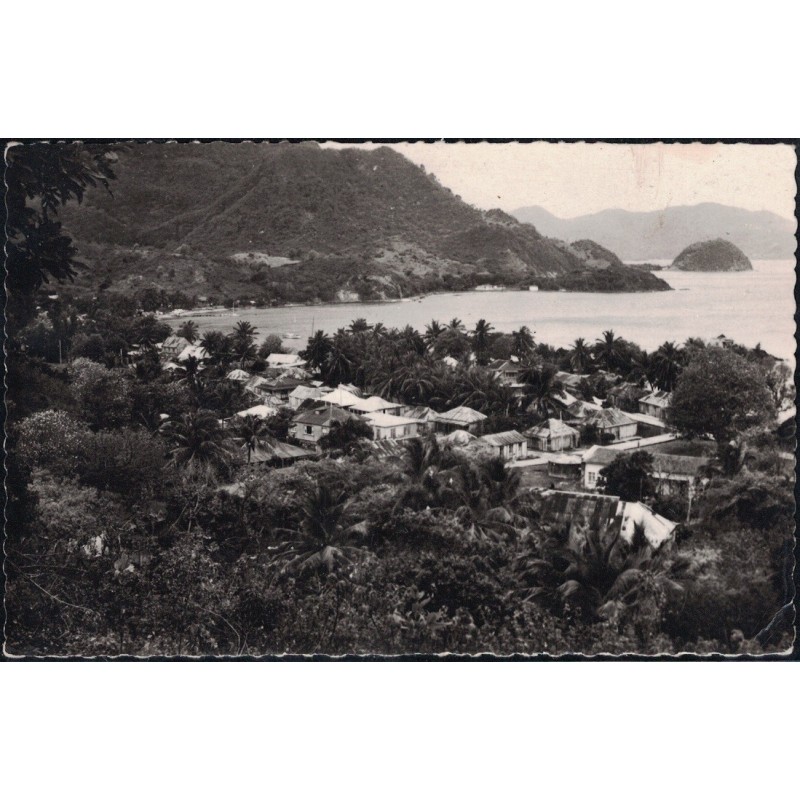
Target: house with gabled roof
[
  {"x": 553, "y": 435},
  {"x": 311, "y": 425},
  {"x": 173, "y": 346},
  {"x": 507, "y": 371},
  {"x": 612, "y": 423},
  {"x": 626, "y": 396},
  {"x": 655, "y": 404},
  {"x": 301, "y": 393},
  {"x": 607, "y": 515},
  {"x": 508, "y": 445},
  {"x": 340, "y": 397},
  {"x": 677, "y": 474},
  {"x": 374, "y": 404},
  {"x": 460, "y": 418},
  {"x": 391, "y": 426}
]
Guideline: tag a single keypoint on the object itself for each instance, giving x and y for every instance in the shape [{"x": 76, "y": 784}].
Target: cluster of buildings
[{"x": 554, "y": 451}]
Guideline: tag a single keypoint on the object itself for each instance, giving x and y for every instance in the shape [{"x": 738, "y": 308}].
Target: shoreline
[{"x": 166, "y": 316}]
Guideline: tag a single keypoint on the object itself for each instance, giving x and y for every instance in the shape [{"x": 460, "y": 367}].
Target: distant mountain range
[
  {"x": 280, "y": 223},
  {"x": 636, "y": 236}
]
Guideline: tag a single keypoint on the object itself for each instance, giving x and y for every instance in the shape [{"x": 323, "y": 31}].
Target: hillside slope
[
  {"x": 636, "y": 236},
  {"x": 300, "y": 223}
]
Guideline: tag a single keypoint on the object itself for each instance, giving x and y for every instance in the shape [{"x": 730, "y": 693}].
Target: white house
[
  {"x": 371, "y": 405},
  {"x": 390, "y": 426},
  {"x": 340, "y": 397},
  {"x": 594, "y": 459},
  {"x": 300, "y": 394}
]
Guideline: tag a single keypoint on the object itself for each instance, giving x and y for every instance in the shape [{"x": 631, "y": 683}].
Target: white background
[{"x": 398, "y": 730}]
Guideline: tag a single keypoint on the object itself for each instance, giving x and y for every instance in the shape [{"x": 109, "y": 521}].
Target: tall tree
[
  {"x": 317, "y": 350},
  {"x": 481, "y": 338},
  {"x": 197, "y": 439},
  {"x": 189, "y": 331},
  {"x": 721, "y": 393},
  {"x": 580, "y": 356},
  {"x": 608, "y": 350},
  {"x": 40, "y": 178},
  {"x": 667, "y": 364},
  {"x": 522, "y": 343},
  {"x": 542, "y": 388}
]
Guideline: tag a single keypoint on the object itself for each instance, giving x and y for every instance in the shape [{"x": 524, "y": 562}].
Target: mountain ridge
[
  {"x": 212, "y": 218},
  {"x": 662, "y": 234}
]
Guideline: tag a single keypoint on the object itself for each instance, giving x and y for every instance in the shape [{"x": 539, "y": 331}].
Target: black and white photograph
[{"x": 330, "y": 398}]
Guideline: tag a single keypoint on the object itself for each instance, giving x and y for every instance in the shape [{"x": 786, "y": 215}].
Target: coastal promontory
[{"x": 714, "y": 255}]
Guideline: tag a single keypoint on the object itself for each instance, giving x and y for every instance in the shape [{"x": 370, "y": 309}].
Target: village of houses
[{"x": 549, "y": 456}]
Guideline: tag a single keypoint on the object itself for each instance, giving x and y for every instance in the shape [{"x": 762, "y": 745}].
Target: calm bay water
[{"x": 749, "y": 307}]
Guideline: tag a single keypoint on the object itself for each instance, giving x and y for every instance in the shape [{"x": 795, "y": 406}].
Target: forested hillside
[{"x": 212, "y": 219}]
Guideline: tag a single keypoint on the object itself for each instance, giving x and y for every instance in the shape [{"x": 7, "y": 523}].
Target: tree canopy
[{"x": 721, "y": 393}]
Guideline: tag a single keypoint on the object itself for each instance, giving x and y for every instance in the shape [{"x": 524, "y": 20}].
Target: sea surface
[{"x": 749, "y": 307}]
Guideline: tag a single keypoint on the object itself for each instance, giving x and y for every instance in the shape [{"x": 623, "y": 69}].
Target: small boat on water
[{"x": 291, "y": 335}]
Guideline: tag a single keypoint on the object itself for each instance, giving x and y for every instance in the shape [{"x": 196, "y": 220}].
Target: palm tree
[
  {"x": 217, "y": 345},
  {"x": 580, "y": 356},
  {"x": 188, "y": 330},
  {"x": 252, "y": 430},
  {"x": 320, "y": 542},
  {"x": 197, "y": 438},
  {"x": 475, "y": 510},
  {"x": 359, "y": 325},
  {"x": 608, "y": 350},
  {"x": 191, "y": 368},
  {"x": 667, "y": 364},
  {"x": 416, "y": 382},
  {"x": 522, "y": 342},
  {"x": 432, "y": 331},
  {"x": 244, "y": 330},
  {"x": 412, "y": 340},
  {"x": 378, "y": 330},
  {"x": 317, "y": 350},
  {"x": 456, "y": 324},
  {"x": 481, "y": 340},
  {"x": 542, "y": 388},
  {"x": 422, "y": 457}
]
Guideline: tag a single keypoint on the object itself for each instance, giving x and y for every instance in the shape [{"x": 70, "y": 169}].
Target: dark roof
[
  {"x": 628, "y": 390},
  {"x": 678, "y": 465}
]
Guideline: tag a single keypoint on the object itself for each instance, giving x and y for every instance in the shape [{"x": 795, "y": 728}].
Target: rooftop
[
  {"x": 659, "y": 398},
  {"x": 462, "y": 415},
  {"x": 381, "y": 420},
  {"x": 678, "y": 465},
  {"x": 504, "y": 438},
  {"x": 610, "y": 417},
  {"x": 373, "y": 403},
  {"x": 549, "y": 428},
  {"x": 323, "y": 416},
  {"x": 600, "y": 455},
  {"x": 341, "y": 398}
]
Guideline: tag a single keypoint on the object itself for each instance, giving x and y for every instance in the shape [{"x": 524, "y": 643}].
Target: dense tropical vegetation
[{"x": 139, "y": 523}]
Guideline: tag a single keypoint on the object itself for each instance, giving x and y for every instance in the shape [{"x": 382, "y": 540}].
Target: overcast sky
[{"x": 574, "y": 179}]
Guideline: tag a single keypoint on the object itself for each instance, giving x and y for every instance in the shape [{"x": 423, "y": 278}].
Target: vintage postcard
[{"x": 392, "y": 399}]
